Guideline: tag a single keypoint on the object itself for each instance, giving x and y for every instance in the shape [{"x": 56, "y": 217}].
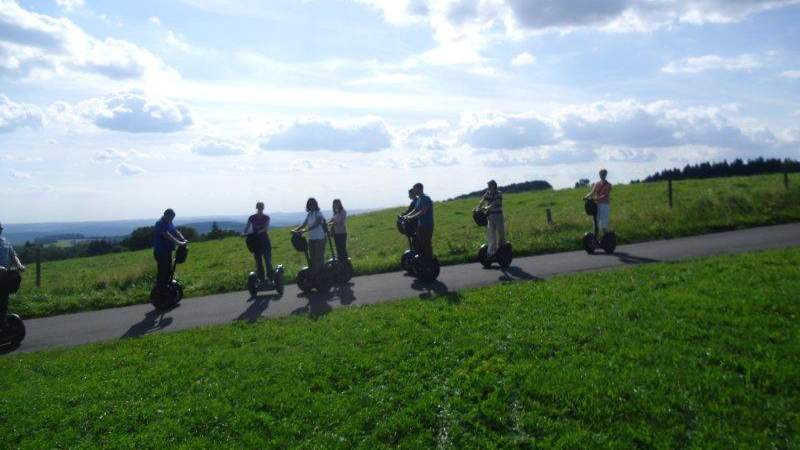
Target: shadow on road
[
  {"x": 516, "y": 273},
  {"x": 318, "y": 304},
  {"x": 258, "y": 305},
  {"x": 154, "y": 320},
  {"x": 627, "y": 258},
  {"x": 430, "y": 289}
]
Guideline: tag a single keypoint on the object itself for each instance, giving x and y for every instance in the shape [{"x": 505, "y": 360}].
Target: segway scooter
[
  {"x": 590, "y": 243},
  {"x": 167, "y": 297},
  {"x": 256, "y": 285},
  {"x": 341, "y": 270},
  {"x": 306, "y": 279},
  {"x": 407, "y": 228},
  {"x": 504, "y": 253},
  {"x": 12, "y": 336}
]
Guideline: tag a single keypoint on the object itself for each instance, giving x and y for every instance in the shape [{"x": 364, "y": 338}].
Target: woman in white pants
[{"x": 492, "y": 204}]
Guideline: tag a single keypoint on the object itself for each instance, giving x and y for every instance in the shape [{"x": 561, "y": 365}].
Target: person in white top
[
  {"x": 338, "y": 226},
  {"x": 315, "y": 226}
]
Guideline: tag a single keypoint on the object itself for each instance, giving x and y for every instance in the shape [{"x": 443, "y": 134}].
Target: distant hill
[
  {"x": 205, "y": 227},
  {"x": 535, "y": 185}
]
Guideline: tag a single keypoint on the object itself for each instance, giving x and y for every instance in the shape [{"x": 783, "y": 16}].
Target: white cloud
[
  {"x": 501, "y": 131},
  {"x": 135, "y": 112},
  {"x": 543, "y": 156},
  {"x": 177, "y": 42},
  {"x": 627, "y": 155},
  {"x": 794, "y": 74},
  {"x": 362, "y": 135},
  {"x": 210, "y": 146},
  {"x": 16, "y": 174},
  {"x": 523, "y": 59},
  {"x": 155, "y": 20},
  {"x": 697, "y": 64},
  {"x": 70, "y": 5},
  {"x": 128, "y": 170},
  {"x": 33, "y": 44},
  {"x": 109, "y": 155},
  {"x": 18, "y": 115}
]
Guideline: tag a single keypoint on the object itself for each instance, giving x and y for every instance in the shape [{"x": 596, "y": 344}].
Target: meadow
[
  {"x": 640, "y": 213},
  {"x": 698, "y": 354}
]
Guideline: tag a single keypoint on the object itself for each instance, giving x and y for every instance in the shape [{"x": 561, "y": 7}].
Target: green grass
[
  {"x": 702, "y": 354},
  {"x": 640, "y": 213}
]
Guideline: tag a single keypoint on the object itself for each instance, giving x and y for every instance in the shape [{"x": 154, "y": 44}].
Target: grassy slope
[
  {"x": 703, "y": 354},
  {"x": 640, "y": 213}
]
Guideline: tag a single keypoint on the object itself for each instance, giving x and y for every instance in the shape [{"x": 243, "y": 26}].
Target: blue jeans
[{"x": 264, "y": 258}]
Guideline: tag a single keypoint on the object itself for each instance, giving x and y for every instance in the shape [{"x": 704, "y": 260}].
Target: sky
[{"x": 118, "y": 110}]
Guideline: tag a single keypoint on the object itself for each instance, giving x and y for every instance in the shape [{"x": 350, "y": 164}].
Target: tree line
[
  {"x": 140, "y": 239},
  {"x": 737, "y": 167}
]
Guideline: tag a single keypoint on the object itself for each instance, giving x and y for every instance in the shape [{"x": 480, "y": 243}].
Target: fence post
[
  {"x": 38, "y": 266},
  {"x": 669, "y": 188},
  {"x": 549, "y": 217}
]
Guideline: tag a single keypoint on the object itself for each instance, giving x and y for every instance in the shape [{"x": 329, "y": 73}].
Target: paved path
[{"x": 137, "y": 320}]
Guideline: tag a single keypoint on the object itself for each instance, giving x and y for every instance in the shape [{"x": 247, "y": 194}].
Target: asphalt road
[{"x": 131, "y": 321}]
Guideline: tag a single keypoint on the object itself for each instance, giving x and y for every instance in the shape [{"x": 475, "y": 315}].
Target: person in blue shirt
[
  {"x": 8, "y": 260},
  {"x": 165, "y": 238},
  {"x": 423, "y": 213}
]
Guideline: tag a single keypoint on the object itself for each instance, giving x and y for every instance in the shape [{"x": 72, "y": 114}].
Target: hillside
[
  {"x": 701, "y": 354},
  {"x": 640, "y": 212}
]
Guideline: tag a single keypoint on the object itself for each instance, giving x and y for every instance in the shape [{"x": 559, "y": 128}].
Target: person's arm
[
  {"x": 17, "y": 263},
  {"x": 418, "y": 212},
  {"x": 301, "y": 228},
  {"x": 481, "y": 204},
  {"x": 183, "y": 240},
  {"x": 592, "y": 192},
  {"x": 247, "y": 227},
  {"x": 174, "y": 239}
]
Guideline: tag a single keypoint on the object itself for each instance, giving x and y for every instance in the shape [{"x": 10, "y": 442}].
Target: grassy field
[
  {"x": 702, "y": 354},
  {"x": 640, "y": 213}
]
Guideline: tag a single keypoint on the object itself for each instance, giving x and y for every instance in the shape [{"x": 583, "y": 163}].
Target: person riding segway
[
  {"x": 167, "y": 291},
  {"x": 339, "y": 265},
  {"x": 408, "y": 228},
  {"x": 12, "y": 328},
  {"x": 314, "y": 276},
  {"x": 489, "y": 213},
  {"x": 258, "y": 243},
  {"x": 598, "y": 206},
  {"x": 425, "y": 266}
]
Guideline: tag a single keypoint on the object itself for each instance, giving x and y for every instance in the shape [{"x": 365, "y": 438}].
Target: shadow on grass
[{"x": 153, "y": 321}]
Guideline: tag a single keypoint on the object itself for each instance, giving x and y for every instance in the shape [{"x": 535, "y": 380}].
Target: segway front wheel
[
  {"x": 483, "y": 256},
  {"x": 304, "y": 280},
  {"x": 15, "y": 333},
  {"x": 589, "y": 243},
  {"x": 426, "y": 270},
  {"x": 504, "y": 255},
  {"x": 252, "y": 284},
  {"x": 609, "y": 242}
]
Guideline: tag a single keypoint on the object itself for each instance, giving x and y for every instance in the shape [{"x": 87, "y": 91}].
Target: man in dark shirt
[
  {"x": 165, "y": 237},
  {"x": 423, "y": 212}
]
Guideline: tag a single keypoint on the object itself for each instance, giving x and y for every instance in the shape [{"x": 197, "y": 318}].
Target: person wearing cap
[
  {"x": 492, "y": 205},
  {"x": 8, "y": 260},
  {"x": 423, "y": 212},
  {"x": 259, "y": 224},
  {"x": 165, "y": 238},
  {"x": 601, "y": 193}
]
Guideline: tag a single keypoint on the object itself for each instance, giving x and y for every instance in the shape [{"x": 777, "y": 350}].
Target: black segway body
[
  {"x": 341, "y": 270},
  {"x": 14, "y": 334},
  {"x": 502, "y": 257},
  {"x": 254, "y": 285},
  {"x": 10, "y": 281},
  {"x": 589, "y": 243},
  {"x": 306, "y": 279},
  {"x": 426, "y": 270},
  {"x": 407, "y": 228},
  {"x": 609, "y": 242},
  {"x": 480, "y": 217}
]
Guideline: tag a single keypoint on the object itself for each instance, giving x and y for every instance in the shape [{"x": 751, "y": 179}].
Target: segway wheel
[
  {"x": 177, "y": 292},
  {"x": 15, "y": 333},
  {"x": 278, "y": 281},
  {"x": 347, "y": 271},
  {"x": 589, "y": 243},
  {"x": 483, "y": 257},
  {"x": 252, "y": 284},
  {"x": 426, "y": 271},
  {"x": 504, "y": 255},
  {"x": 304, "y": 280},
  {"x": 407, "y": 261},
  {"x": 609, "y": 242}
]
